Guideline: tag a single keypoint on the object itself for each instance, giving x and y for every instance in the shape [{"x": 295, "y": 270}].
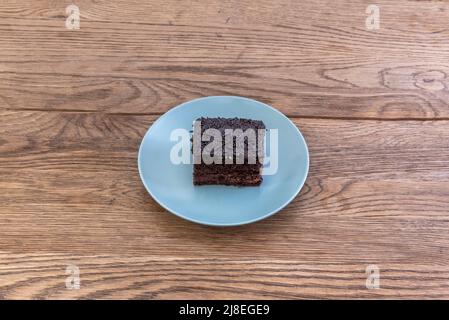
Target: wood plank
[
  {"x": 140, "y": 57},
  {"x": 70, "y": 184},
  {"x": 116, "y": 277},
  {"x": 391, "y": 149}
]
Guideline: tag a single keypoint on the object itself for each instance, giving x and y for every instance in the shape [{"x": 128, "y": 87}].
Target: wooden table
[{"x": 372, "y": 104}]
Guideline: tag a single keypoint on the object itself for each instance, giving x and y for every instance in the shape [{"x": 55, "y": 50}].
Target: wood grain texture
[
  {"x": 105, "y": 277},
  {"x": 376, "y": 205},
  {"x": 307, "y": 59},
  {"x": 373, "y": 107}
]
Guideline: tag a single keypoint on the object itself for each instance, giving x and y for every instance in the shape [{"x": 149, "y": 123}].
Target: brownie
[{"x": 239, "y": 160}]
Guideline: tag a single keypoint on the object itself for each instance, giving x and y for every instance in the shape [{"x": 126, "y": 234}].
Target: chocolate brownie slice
[{"x": 235, "y": 147}]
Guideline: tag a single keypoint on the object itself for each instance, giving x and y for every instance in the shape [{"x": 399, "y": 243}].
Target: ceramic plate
[{"x": 170, "y": 184}]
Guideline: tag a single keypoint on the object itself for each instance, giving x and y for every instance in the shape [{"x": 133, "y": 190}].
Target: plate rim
[{"x": 213, "y": 224}]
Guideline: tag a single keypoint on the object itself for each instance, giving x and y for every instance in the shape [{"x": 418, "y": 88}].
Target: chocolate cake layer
[
  {"x": 222, "y": 125},
  {"x": 230, "y": 180},
  {"x": 227, "y": 168}
]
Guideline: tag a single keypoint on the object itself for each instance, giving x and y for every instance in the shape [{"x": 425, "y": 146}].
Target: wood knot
[{"x": 433, "y": 80}]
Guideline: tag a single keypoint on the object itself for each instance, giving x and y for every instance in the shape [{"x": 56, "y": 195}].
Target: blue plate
[{"x": 171, "y": 184}]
